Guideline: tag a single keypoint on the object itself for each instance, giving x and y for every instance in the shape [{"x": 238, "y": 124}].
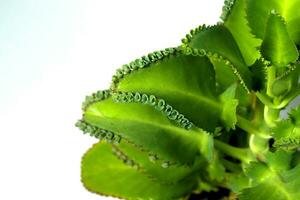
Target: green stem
[
  {"x": 271, "y": 116},
  {"x": 271, "y": 113},
  {"x": 258, "y": 145},
  {"x": 293, "y": 94},
  {"x": 241, "y": 154},
  {"x": 231, "y": 166},
  {"x": 266, "y": 100},
  {"x": 271, "y": 75},
  {"x": 247, "y": 126}
]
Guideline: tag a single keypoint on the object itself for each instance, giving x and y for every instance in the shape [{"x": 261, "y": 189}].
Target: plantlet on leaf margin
[{"x": 205, "y": 115}]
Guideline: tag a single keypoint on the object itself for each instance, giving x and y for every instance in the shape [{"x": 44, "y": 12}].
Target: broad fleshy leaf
[
  {"x": 287, "y": 132},
  {"x": 259, "y": 10},
  {"x": 218, "y": 43},
  {"x": 286, "y": 82},
  {"x": 186, "y": 82},
  {"x": 104, "y": 173},
  {"x": 273, "y": 190},
  {"x": 147, "y": 127},
  {"x": 259, "y": 71},
  {"x": 237, "y": 182},
  {"x": 277, "y": 46},
  {"x": 159, "y": 169},
  {"x": 230, "y": 106},
  {"x": 237, "y": 24},
  {"x": 215, "y": 169},
  {"x": 273, "y": 180}
]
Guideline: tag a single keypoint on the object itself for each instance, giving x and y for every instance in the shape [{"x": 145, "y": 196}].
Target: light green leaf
[
  {"x": 294, "y": 115},
  {"x": 224, "y": 75},
  {"x": 273, "y": 180},
  {"x": 230, "y": 105},
  {"x": 186, "y": 82},
  {"x": 215, "y": 169},
  {"x": 147, "y": 127},
  {"x": 277, "y": 46},
  {"x": 287, "y": 132},
  {"x": 279, "y": 161},
  {"x": 159, "y": 169},
  {"x": 206, "y": 146},
  {"x": 104, "y": 173},
  {"x": 257, "y": 172},
  {"x": 225, "y": 78},
  {"x": 237, "y": 181},
  {"x": 287, "y": 81},
  {"x": 285, "y": 187},
  {"x": 237, "y": 24},
  {"x": 218, "y": 43},
  {"x": 259, "y": 10}
]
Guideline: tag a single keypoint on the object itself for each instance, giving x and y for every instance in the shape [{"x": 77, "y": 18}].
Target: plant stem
[
  {"x": 241, "y": 154},
  {"x": 259, "y": 145},
  {"x": 233, "y": 167},
  {"x": 266, "y": 100},
  {"x": 271, "y": 116},
  {"x": 247, "y": 126},
  {"x": 293, "y": 94},
  {"x": 271, "y": 75}
]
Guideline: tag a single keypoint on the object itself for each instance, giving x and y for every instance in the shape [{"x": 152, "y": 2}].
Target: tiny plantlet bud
[
  {"x": 153, "y": 158},
  {"x": 165, "y": 164}
]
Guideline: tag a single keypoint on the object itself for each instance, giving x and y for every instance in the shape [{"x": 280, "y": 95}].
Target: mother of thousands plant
[{"x": 204, "y": 116}]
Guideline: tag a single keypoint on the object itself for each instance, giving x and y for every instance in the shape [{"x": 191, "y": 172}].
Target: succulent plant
[{"x": 204, "y": 116}]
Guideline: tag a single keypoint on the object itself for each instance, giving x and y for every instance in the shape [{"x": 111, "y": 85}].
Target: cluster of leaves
[{"x": 204, "y": 115}]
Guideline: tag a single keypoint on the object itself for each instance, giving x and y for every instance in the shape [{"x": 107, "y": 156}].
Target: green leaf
[
  {"x": 186, "y": 82},
  {"x": 285, "y": 187},
  {"x": 270, "y": 190},
  {"x": 225, "y": 78},
  {"x": 287, "y": 132},
  {"x": 158, "y": 169},
  {"x": 274, "y": 180},
  {"x": 218, "y": 44},
  {"x": 277, "y": 46},
  {"x": 215, "y": 169},
  {"x": 287, "y": 81},
  {"x": 257, "y": 172},
  {"x": 227, "y": 9},
  {"x": 294, "y": 116},
  {"x": 147, "y": 127},
  {"x": 224, "y": 75},
  {"x": 230, "y": 105},
  {"x": 217, "y": 39},
  {"x": 279, "y": 161},
  {"x": 295, "y": 159},
  {"x": 237, "y": 182},
  {"x": 281, "y": 87},
  {"x": 106, "y": 174},
  {"x": 259, "y": 10},
  {"x": 206, "y": 146},
  {"x": 275, "y": 162},
  {"x": 259, "y": 71},
  {"x": 237, "y": 24}
]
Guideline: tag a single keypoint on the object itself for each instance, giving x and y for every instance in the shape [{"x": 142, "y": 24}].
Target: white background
[{"x": 52, "y": 54}]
